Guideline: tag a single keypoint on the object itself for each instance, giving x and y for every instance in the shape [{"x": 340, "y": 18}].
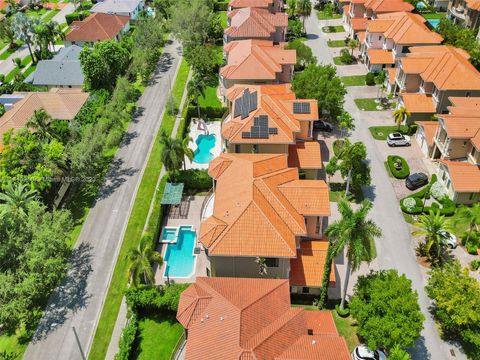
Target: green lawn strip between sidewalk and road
[
  {"x": 354, "y": 80},
  {"x": 135, "y": 227}
]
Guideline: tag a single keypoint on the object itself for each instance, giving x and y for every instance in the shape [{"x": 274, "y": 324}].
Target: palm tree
[
  {"x": 349, "y": 154},
  {"x": 262, "y": 266},
  {"x": 435, "y": 229},
  {"x": 345, "y": 122},
  {"x": 172, "y": 153},
  {"x": 15, "y": 199},
  {"x": 327, "y": 269},
  {"x": 355, "y": 233},
  {"x": 400, "y": 115},
  {"x": 469, "y": 215},
  {"x": 141, "y": 260},
  {"x": 196, "y": 89},
  {"x": 187, "y": 152},
  {"x": 304, "y": 9},
  {"x": 352, "y": 45},
  {"x": 40, "y": 122}
]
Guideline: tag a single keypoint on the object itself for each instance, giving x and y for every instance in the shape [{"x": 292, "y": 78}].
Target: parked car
[
  {"x": 397, "y": 139},
  {"x": 416, "y": 180},
  {"x": 450, "y": 239},
  {"x": 321, "y": 125},
  {"x": 362, "y": 352}
]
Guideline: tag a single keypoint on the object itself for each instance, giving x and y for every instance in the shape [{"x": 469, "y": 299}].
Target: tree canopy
[{"x": 305, "y": 55}]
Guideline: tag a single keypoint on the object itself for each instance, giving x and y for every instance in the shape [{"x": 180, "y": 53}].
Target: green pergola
[{"x": 172, "y": 195}]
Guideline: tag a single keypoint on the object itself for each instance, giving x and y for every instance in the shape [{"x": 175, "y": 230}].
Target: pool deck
[
  {"x": 214, "y": 127},
  {"x": 193, "y": 219}
]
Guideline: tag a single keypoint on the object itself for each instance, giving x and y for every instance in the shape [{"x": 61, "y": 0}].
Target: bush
[
  {"x": 409, "y": 204},
  {"x": 342, "y": 313},
  {"x": 209, "y": 112},
  {"x": 72, "y": 17},
  {"x": 195, "y": 180},
  {"x": 401, "y": 173},
  {"x": 337, "y": 146},
  {"x": 154, "y": 298},
  {"x": 472, "y": 244},
  {"x": 420, "y": 195},
  {"x": 295, "y": 28},
  {"x": 346, "y": 57},
  {"x": 438, "y": 191},
  {"x": 129, "y": 334},
  {"x": 475, "y": 265},
  {"x": 220, "y": 6},
  {"x": 370, "y": 79}
]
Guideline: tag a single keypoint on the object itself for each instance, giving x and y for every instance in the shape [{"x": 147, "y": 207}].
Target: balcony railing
[{"x": 458, "y": 13}]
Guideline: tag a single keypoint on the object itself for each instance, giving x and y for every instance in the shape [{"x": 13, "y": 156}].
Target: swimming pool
[
  {"x": 179, "y": 258},
  {"x": 433, "y": 22},
  {"x": 205, "y": 143},
  {"x": 168, "y": 234},
  {"x": 421, "y": 5}
]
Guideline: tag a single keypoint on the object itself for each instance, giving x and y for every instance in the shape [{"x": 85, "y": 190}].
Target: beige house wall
[{"x": 443, "y": 102}]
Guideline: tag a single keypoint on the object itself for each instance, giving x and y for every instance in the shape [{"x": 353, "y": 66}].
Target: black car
[
  {"x": 321, "y": 125},
  {"x": 416, "y": 181}
]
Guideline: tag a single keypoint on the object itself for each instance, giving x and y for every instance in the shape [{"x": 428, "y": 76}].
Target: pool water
[
  {"x": 434, "y": 22},
  {"x": 421, "y": 5},
  {"x": 205, "y": 143},
  {"x": 168, "y": 234},
  {"x": 179, "y": 257}
]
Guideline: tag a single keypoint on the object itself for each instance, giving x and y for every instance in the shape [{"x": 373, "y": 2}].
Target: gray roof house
[
  {"x": 63, "y": 70},
  {"x": 129, "y": 8}
]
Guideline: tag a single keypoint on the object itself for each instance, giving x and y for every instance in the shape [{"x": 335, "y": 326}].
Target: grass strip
[
  {"x": 6, "y": 54},
  {"x": 337, "y": 60},
  {"x": 336, "y": 43},
  {"x": 323, "y": 16},
  {"x": 50, "y": 15},
  {"x": 333, "y": 29},
  {"x": 381, "y": 132},
  {"x": 354, "y": 80},
  {"x": 135, "y": 227},
  {"x": 367, "y": 104}
]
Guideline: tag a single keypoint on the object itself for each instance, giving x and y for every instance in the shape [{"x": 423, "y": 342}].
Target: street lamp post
[{"x": 78, "y": 343}]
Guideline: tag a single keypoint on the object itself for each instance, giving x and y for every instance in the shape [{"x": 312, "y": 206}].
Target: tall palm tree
[
  {"x": 188, "y": 153},
  {"x": 400, "y": 115},
  {"x": 304, "y": 9},
  {"x": 141, "y": 260},
  {"x": 349, "y": 154},
  {"x": 469, "y": 215},
  {"x": 352, "y": 45},
  {"x": 434, "y": 227},
  {"x": 40, "y": 122},
  {"x": 15, "y": 199},
  {"x": 196, "y": 89},
  {"x": 355, "y": 233},
  {"x": 172, "y": 153},
  {"x": 345, "y": 122},
  {"x": 327, "y": 269}
]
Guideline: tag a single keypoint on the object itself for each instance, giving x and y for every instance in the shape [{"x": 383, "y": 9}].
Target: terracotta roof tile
[
  {"x": 429, "y": 129},
  {"x": 473, "y": 4},
  {"x": 97, "y": 27},
  {"x": 361, "y": 36},
  {"x": 307, "y": 268},
  {"x": 252, "y": 319},
  {"x": 308, "y": 197},
  {"x": 258, "y": 218},
  {"x": 254, "y": 23},
  {"x": 461, "y": 127},
  {"x": 465, "y": 177},
  {"x": 305, "y": 155},
  {"x": 250, "y": 3},
  {"x": 392, "y": 74},
  {"x": 255, "y": 60},
  {"x": 388, "y": 6},
  {"x": 380, "y": 56},
  {"x": 359, "y": 24},
  {"x": 418, "y": 103}
]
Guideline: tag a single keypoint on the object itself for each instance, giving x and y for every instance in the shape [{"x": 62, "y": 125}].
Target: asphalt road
[
  {"x": 79, "y": 299},
  {"x": 394, "y": 247}
]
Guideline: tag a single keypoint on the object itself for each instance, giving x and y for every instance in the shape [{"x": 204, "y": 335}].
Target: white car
[
  {"x": 450, "y": 240},
  {"x": 362, "y": 352},
  {"x": 397, "y": 139}
]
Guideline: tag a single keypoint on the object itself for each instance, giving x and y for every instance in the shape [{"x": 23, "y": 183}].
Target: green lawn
[
  {"x": 223, "y": 18},
  {"x": 435, "y": 15},
  {"x": 337, "y": 191},
  {"x": 4, "y": 55},
  {"x": 368, "y": 104},
  {"x": 381, "y": 132},
  {"x": 157, "y": 337},
  {"x": 36, "y": 13},
  {"x": 135, "y": 227},
  {"x": 50, "y": 15},
  {"x": 10, "y": 344},
  {"x": 210, "y": 99},
  {"x": 354, "y": 80},
  {"x": 336, "y": 43},
  {"x": 9, "y": 77},
  {"x": 337, "y": 60},
  {"x": 333, "y": 29},
  {"x": 322, "y": 16}
]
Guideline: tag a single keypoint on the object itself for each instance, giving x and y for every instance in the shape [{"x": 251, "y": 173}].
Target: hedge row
[
  {"x": 208, "y": 111},
  {"x": 220, "y": 6},
  {"x": 154, "y": 225},
  {"x": 129, "y": 334},
  {"x": 403, "y": 172},
  {"x": 76, "y": 16},
  {"x": 195, "y": 180},
  {"x": 146, "y": 299}
]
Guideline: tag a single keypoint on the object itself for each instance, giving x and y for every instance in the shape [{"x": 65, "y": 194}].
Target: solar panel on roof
[
  {"x": 297, "y": 107},
  {"x": 253, "y": 101},
  {"x": 238, "y": 107},
  {"x": 245, "y": 135},
  {"x": 301, "y": 108},
  {"x": 305, "y": 108},
  {"x": 273, "y": 131}
]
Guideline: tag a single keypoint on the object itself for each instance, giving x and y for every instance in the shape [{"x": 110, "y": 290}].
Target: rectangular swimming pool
[
  {"x": 168, "y": 234},
  {"x": 179, "y": 258}
]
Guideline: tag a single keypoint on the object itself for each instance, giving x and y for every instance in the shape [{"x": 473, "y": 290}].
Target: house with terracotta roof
[
  {"x": 130, "y": 8},
  {"x": 97, "y": 27},
  {"x": 255, "y": 23},
  {"x": 241, "y": 318},
  {"x": 454, "y": 141},
  {"x": 465, "y": 12},
  {"x": 256, "y": 62},
  {"x": 261, "y": 208},
  {"x": 359, "y": 11},
  {"x": 60, "y": 104},
  {"x": 271, "y": 5},
  {"x": 429, "y": 75},
  {"x": 389, "y": 37},
  {"x": 269, "y": 119}
]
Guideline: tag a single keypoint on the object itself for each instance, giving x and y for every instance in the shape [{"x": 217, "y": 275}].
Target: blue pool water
[
  {"x": 168, "y": 234},
  {"x": 205, "y": 143},
  {"x": 421, "y": 5},
  {"x": 434, "y": 22},
  {"x": 179, "y": 256}
]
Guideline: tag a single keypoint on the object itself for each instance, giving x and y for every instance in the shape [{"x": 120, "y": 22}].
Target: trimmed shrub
[
  {"x": 419, "y": 196},
  {"x": 220, "y": 6},
  {"x": 370, "y": 79},
  {"x": 438, "y": 191},
  {"x": 209, "y": 112},
  {"x": 475, "y": 265},
  {"x": 342, "y": 313},
  {"x": 154, "y": 298},
  {"x": 337, "y": 146},
  {"x": 195, "y": 180},
  {"x": 346, "y": 57},
  {"x": 129, "y": 334},
  {"x": 401, "y": 173},
  {"x": 409, "y": 203}
]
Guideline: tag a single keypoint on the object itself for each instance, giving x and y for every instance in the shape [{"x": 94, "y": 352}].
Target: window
[
  {"x": 305, "y": 290},
  {"x": 255, "y": 148},
  {"x": 272, "y": 262},
  {"x": 237, "y": 148},
  {"x": 467, "y": 94},
  {"x": 465, "y": 143},
  {"x": 472, "y": 153},
  {"x": 380, "y": 37},
  {"x": 405, "y": 49},
  {"x": 472, "y": 195},
  {"x": 310, "y": 332}
]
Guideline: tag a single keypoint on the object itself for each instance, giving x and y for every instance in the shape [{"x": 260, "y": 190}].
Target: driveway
[
  {"x": 79, "y": 299},
  {"x": 394, "y": 248}
]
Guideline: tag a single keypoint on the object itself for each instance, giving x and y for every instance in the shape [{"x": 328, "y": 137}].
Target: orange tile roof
[
  {"x": 429, "y": 129},
  {"x": 465, "y": 177},
  {"x": 418, "y": 103},
  {"x": 237, "y": 318},
  {"x": 380, "y": 56},
  {"x": 392, "y": 74},
  {"x": 359, "y": 24},
  {"x": 446, "y": 66},
  {"x": 256, "y": 60},
  {"x": 97, "y": 27},
  {"x": 275, "y": 102},
  {"x": 60, "y": 104},
  {"x": 255, "y": 210},
  {"x": 473, "y": 4},
  {"x": 388, "y": 6},
  {"x": 250, "y": 3},
  {"x": 463, "y": 105},
  {"x": 254, "y": 23},
  {"x": 307, "y": 268},
  {"x": 404, "y": 28},
  {"x": 461, "y": 127},
  {"x": 361, "y": 36},
  {"x": 305, "y": 155}
]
